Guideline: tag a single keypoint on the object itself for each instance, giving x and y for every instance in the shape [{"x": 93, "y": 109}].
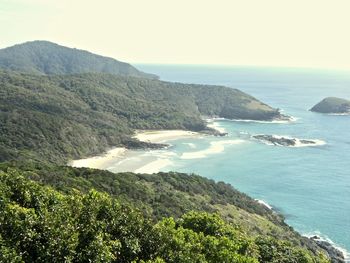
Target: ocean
[{"x": 310, "y": 186}]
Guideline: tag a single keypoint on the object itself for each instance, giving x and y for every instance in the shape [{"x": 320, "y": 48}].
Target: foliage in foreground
[{"x": 39, "y": 224}]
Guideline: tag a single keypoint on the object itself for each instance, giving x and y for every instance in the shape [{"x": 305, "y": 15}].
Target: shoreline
[
  {"x": 97, "y": 162},
  {"x": 117, "y": 156},
  {"x": 291, "y": 119},
  {"x": 162, "y": 136},
  {"x": 140, "y": 161},
  {"x": 334, "y": 250},
  {"x": 118, "y": 159}
]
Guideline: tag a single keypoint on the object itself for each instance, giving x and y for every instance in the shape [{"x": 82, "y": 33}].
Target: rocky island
[{"x": 332, "y": 105}]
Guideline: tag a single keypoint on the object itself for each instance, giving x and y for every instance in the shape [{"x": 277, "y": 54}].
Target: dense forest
[
  {"x": 55, "y": 118},
  {"x": 44, "y": 224}
]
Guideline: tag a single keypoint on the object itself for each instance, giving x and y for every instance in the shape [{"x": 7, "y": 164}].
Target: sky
[{"x": 288, "y": 33}]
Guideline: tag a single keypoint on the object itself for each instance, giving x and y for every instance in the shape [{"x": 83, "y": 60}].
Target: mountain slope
[
  {"x": 44, "y": 57},
  {"x": 55, "y": 118},
  {"x": 67, "y": 224}
]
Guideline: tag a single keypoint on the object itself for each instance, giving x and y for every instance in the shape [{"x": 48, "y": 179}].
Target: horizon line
[{"x": 242, "y": 66}]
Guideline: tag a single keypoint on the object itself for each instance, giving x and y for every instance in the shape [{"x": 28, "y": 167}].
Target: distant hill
[
  {"x": 332, "y": 105},
  {"x": 70, "y": 116},
  {"x": 44, "y": 57}
]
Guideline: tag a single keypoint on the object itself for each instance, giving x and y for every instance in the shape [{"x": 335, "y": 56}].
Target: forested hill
[
  {"x": 166, "y": 217},
  {"x": 44, "y": 57},
  {"x": 58, "y": 117}
]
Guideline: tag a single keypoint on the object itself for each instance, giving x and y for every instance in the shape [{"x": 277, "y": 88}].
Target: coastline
[
  {"x": 141, "y": 163},
  {"x": 98, "y": 162},
  {"x": 162, "y": 136},
  {"x": 335, "y": 251},
  {"x": 121, "y": 159},
  {"x": 289, "y": 120}
]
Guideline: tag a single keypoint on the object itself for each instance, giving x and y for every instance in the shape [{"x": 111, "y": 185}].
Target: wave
[
  {"x": 286, "y": 141},
  {"x": 289, "y": 120},
  {"x": 325, "y": 238},
  {"x": 214, "y": 148},
  {"x": 262, "y": 202},
  {"x": 215, "y": 125},
  {"x": 292, "y": 119},
  {"x": 340, "y": 114}
]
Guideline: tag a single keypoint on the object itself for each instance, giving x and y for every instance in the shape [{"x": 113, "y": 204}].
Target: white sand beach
[
  {"x": 161, "y": 136},
  {"x": 140, "y": 163},
  {"x": 99, "y": 162}
]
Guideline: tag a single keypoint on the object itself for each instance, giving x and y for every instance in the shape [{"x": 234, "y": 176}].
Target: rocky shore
[
  {"x": 133, "y": 143},
  {"x": 335, "y": 254}
]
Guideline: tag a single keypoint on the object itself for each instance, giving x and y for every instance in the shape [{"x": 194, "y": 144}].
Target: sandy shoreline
[
  {"x": 119, "y": 154},
  {"x": 161, "y": 136},
  {"x": 98, "y": 162}
]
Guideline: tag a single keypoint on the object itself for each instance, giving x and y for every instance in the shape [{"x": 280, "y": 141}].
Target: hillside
[
  {"x": 44, "y": 57},
  {"x": 56, "y": 118},
  {"x": 212, "y": 221},
  {"x": 58, "y": 104},
  {"x": 332, "y": 105}
]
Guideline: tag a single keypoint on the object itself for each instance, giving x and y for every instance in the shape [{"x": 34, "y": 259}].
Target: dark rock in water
[
  {"x": 307, "y": 142},
  {"x": 332, "y": 105},
  {"x": 335, "y": 254},
  {"x": 211, "y": 131},
  {"x": 132, "y": 143},
  {"x": 281, "y": 141},
  {"x": 282, "y": 117}
]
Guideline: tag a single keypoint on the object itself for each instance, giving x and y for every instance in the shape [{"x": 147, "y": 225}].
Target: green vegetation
[
  {"x": 57, "y": 118},
  {"x": 51, "y": 213},
  {"x": 40, "y": 224},
  {"x": 43, "y": 57},
  {"x": 151, "y": 192},
  {"x": 332, "y": 105}
]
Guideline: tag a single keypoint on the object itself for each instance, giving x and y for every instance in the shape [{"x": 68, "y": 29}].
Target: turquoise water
[{"x": 309, "y": 185}]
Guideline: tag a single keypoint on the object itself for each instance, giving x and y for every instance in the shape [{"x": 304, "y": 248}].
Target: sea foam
[
  {"x": 292, "y": 119},
  {"x": 215, "y": 125},
  {"x": 264, "y": 204},
  {"x": 323, "y": 237},
  {"x": 189, "y": 144},
  {"x": 298, "y": 142},
  {"x": 214, "y": 148}
]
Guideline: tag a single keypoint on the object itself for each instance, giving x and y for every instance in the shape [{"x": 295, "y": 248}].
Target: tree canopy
[{"x": 40, "y": 224}]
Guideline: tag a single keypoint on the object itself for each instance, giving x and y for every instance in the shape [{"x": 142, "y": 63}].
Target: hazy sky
[{"x": 306, "y": 33}]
